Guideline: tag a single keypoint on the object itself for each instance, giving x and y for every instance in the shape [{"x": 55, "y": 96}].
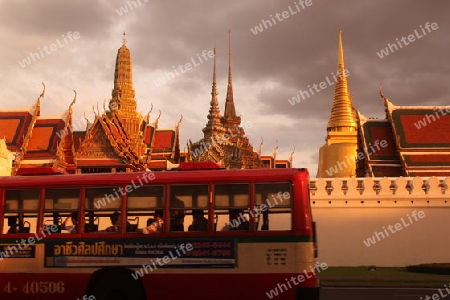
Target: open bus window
[
  {"x": 273, "y": 203},
  {"x": 102, "y": 208},
  {"x": 21, "y": 210},
  {"x": 61, "y": 209},
  {"x": 141, "y": 206},
  {"x": 231, "y": 203},
  {"x": 185, "y": 202}
]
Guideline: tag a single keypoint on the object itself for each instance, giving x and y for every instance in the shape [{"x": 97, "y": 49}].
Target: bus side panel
[
  {"x": 49, "y": 286},
  {"x": 159, "y": 286}
]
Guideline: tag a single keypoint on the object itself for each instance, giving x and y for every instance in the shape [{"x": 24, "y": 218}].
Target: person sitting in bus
[
  {"x": 13, "y": 225},
  {"x": 156, "y": 226},
  {"x": 177, "y": 215},
  {"x": 200, "y": 223},
  {"x": 150, "y": 221},
  {"x": 73, "y": 218},
  {"x": 115, "y": 220}
]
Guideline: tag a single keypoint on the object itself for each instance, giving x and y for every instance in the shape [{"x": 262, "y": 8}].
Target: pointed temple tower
[
  {"x": 214, "y": 129},
  {"x": 230, "y": 121},
  {"x": 337, "y": 156},
  {"x": 123, "y": 101},
  {"x": 224, "y": 141}
]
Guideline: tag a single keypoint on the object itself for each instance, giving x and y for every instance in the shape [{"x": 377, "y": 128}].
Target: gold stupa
[{"x": 337, "y": 156}]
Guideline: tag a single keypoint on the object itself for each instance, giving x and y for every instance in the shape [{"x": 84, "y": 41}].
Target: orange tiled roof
[
  {"x": 381, "y": 161},
  {"x": 164, "y": 140},
  {"x": 422, "y": 136},
  {"x": 14, "y": 126},
  {"x": 45, "y": 138}
]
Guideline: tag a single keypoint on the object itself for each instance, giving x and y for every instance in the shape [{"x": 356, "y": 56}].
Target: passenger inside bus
[
  {"x": 73, "y": 218},
  {"x": 156, "y": 226},
  {"x": 199, "y": 223},
  {"x": 132, "y": 227},
  {"x": 150, "y": 221},
  {"x": 13, "y": 225},
  {"x": 177, "y": 215},
  {"x": 115, "y": 223}
]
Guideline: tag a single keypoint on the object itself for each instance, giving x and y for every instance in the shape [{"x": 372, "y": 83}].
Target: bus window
[
  {"x": 183, "y": 200},
  {"x": 102, "y": 207},
  {"x": 231, "y": 203},
  {"x": 273, "y": 206},
  {"x": 21, "y": 211},
  {"x": 60, "y": 205},
  {"x": 141, "y": 206}
]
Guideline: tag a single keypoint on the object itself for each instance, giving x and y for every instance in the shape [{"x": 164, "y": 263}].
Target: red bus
[{"x": 204, "y": 234}]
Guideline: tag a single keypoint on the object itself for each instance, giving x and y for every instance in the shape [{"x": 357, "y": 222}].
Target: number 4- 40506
[
  {"x": 37, "y": 287},
  {"x": 43, "y": 287}
]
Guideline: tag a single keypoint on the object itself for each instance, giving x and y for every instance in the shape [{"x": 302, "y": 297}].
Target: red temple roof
[{"x": 14, "y": 125}]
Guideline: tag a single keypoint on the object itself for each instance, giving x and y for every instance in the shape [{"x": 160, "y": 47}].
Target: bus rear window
[{"x": 273, "y": 206}]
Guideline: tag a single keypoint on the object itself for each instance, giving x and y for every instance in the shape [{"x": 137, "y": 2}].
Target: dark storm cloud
[{"x": 49, "y": 17}]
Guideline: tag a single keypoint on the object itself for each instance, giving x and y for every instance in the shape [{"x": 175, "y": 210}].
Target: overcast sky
[{"x": 268, "y": 68}]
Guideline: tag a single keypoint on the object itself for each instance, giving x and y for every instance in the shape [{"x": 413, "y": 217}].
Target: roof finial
[
  {"x": 124, "y": 38},
  {"x": 157, "y": 119},
  {"x": 275, "y": 151},
  {"x": 341, "y": 52},
  {"x": 381, "y": 91},
  {"x": 214, "y": 71},
  {"x": 179, "y": 122},
  {"x": 43, "y": 92},
  {"x": 291, "y": 157},
  {"x": 74, "y": 98},
  {"x": 260, "y": 147},
  {"x": 73, "y": 101},
  {"x": 230, "y": 83},
  {"x": 147, "y": 118}
]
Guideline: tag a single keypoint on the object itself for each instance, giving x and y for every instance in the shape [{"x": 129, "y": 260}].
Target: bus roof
[{"x": 108, "y": 179}]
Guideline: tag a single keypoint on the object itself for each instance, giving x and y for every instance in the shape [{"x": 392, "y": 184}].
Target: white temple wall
[{"x": 351, "y": 214}]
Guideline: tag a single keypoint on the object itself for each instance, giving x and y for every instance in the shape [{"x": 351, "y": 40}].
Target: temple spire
[
  {"x": 214, "y": 125},
  {"x": 123, "y": 103},
  {"x": 124, "y": 39},
  {"x": 214, "y": 92},
  {"x": 342, "y": 114},
  {"x": 230, "y": 111},
  {"x": 123, "y": 92}
]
